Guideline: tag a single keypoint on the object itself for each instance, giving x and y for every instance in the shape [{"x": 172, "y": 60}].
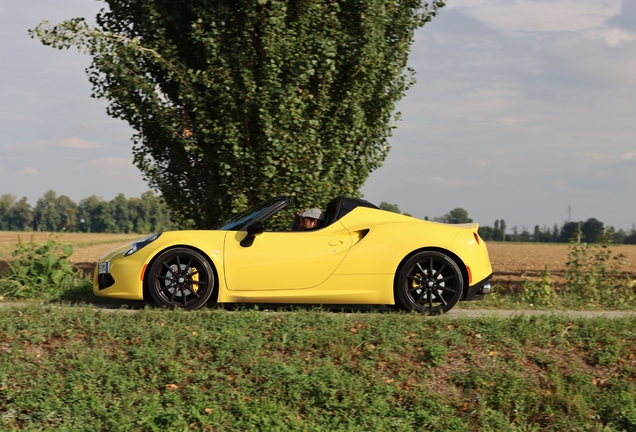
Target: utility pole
[{"x": 569, "y": 213}]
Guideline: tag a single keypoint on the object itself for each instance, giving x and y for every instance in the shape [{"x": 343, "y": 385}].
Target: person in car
[{"x": 307, "y": 220}]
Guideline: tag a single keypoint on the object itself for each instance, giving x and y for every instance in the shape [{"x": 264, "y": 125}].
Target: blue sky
[{"x": 521, "y": 109}]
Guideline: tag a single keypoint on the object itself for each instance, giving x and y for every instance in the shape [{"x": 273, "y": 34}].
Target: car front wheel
[
  {"x": 181, "y": 278},
  {"x": 429, "y": 282}
]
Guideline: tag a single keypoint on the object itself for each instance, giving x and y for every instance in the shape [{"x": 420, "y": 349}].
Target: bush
[
  {"x": 593, "y": 278},
  {"x": 41, "y": 271},
  {"x": 541, "y": 293},
  {"x": 593, "y": 274}
]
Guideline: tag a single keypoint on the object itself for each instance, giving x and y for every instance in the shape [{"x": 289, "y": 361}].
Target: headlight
[{"x": 141, "y": 243}]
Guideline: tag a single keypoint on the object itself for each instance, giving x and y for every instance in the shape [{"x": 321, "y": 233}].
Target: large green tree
[
  {"x": 389, "y": 207},
  {"x": 7, "y": 201},
  {"x": 15, "y": 215},
  {"x": 20, "y": 216},
  {"x": 151, "y": 214},
  {"x": 234, "y": 101},
  {"x": 593, "y": 230},
  {"x": 456, "y": 216},
  {"x": 53, "y": 213},
  {"x": 95, "y": 215},
  {"x": 123, "y": 217}
]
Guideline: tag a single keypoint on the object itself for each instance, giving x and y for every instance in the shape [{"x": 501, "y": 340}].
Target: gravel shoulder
[{"x": 128, "y": 307}]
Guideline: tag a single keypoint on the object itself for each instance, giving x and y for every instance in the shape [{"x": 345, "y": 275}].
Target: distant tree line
[
  {"x": 590, "y": 231},
  {"x": 147, "y": 213}
]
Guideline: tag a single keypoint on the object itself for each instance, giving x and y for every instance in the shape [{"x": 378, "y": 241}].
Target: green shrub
[
  {"x": 541, "y": 293},
  {"x": 593, "y": 274},
  {"x": 41, "y": 271},
  {"x": 593, "y": 277}
]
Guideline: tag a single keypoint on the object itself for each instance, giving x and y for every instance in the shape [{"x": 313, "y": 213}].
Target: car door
[{"x": 284, "y": 260}]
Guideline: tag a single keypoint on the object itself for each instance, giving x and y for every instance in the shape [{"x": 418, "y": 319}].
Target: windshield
[{"x": 241, "y": 219}]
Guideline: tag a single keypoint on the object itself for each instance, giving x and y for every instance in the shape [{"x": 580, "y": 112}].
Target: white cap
[{"x": 313, "y": 213}]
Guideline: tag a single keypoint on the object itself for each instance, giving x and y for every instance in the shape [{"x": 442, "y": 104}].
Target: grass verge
[{"x": 64, "y": 369}]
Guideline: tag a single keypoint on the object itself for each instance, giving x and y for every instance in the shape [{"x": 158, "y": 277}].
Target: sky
[{"x": 523, "y": 110}]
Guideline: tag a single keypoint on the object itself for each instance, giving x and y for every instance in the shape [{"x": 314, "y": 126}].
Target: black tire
[
  {"x": 429, "y": 282},
  {"x": 181, "y": 278}
]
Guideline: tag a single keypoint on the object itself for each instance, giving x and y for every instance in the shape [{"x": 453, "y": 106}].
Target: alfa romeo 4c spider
[{"x": 360, "y": 254}]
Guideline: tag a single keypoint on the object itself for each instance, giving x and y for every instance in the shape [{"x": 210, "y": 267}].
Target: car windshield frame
[{"x": 258, "y": 212}]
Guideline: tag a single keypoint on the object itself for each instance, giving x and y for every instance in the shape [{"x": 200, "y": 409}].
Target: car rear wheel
[
  {"x": 429, "y": 282},
  {"x": 181, "y": 278}
]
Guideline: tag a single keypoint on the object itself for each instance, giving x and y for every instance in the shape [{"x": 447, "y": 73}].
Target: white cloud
[
  {"x": 611, "y": 36},
  {"x": 542, "y": 16},
  {"x": 111, "y": 166},
  {"x": 590, "y": 64},
  {"x": 597, "y": 157},
  {"x": 593, "y": 19},
  {"x": 75, "y": 142},
  {"x": 28, "y": 171},
  {"x": 40, "y": 145},
  {"x": 447, "y": 182},
  {"x": 628, "y": 156}
]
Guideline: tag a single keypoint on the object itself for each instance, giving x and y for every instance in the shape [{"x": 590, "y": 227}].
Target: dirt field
[
  {"x": 510, "y": 261},
  {"x": 87, "y": 248}
]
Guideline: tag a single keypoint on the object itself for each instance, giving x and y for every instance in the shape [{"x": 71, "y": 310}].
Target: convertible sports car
[{"x": 362, "y": 255}]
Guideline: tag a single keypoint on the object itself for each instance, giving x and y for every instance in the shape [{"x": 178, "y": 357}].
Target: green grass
[
  {"x": 75, "y": 369},
  {"x": 505, "y": 299}
]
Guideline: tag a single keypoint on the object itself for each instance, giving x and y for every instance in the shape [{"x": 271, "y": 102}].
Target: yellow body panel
[
  {"x": 338, "y": 289},
  {"x": 284, "y": 260},
  {"x": 352, "y": 261}
]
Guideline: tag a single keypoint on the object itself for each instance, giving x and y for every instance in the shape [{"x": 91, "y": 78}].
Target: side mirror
[{"x": 254, "y": 229}]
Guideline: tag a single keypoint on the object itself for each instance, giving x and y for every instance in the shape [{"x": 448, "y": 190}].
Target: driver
[{"x": 307, "y": 220}]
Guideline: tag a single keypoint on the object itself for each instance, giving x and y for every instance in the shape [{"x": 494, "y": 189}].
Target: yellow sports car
[{"x": 359, "y": 255}]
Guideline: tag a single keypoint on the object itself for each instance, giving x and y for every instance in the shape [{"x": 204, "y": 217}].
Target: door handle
[{"x": 335, "y": 242}]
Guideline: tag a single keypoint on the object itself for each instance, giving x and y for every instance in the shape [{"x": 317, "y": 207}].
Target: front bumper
[
  {"x": 479, "y": 290},
  {"x": 124, "y": 277}
]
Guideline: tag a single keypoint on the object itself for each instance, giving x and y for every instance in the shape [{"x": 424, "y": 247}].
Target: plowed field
[{"x": 510, "y": 261}]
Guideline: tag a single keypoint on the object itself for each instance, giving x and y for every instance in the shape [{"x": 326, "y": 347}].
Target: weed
[
  {"x": 541, "y": 293},
  {"x": 436, "y": 354},
  {"x": 593, "y": 274},
  {"x": 41, "y": 271}
]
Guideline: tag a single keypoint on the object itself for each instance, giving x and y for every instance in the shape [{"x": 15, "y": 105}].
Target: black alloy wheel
[
  {"x": 429, "y": 282},
  {"x": 181, "y": 278}
]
